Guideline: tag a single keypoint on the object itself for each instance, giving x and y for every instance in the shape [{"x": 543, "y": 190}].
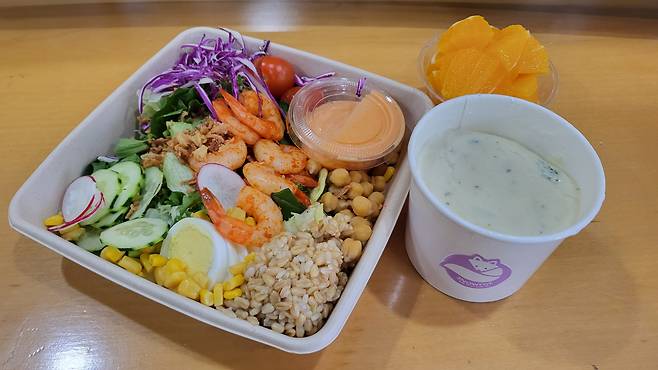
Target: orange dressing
[{"x": 373, "y": 123}]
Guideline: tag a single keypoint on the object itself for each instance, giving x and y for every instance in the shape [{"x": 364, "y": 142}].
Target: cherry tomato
[
  {"x": 279, "y": 75},
  {"x": 289, "y": 94}
]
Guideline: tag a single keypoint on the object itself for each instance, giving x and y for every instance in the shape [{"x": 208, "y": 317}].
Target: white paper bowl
[
  {"x": 444, "y": 247},
  {"x": 115, "y": 118}
]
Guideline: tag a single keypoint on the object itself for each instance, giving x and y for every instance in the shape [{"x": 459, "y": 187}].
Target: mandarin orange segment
[
  {"x": 475, "y": 57},
  {"x": 534, "y": 58},
  {"x": 509, "y": 44},
  {"x": 437, "y": 72},
  {"x": 472, "y": 32},
  {"x": 524, "y": 87},
  {"x": 486, "y": 74},
  {"x": 458, "y": 72}
]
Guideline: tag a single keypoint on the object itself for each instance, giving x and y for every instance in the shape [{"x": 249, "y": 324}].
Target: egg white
[{"x": 223, "y": 254}]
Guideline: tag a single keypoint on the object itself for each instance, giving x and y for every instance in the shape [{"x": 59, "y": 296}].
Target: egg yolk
[{"x": 193, "y": 247}]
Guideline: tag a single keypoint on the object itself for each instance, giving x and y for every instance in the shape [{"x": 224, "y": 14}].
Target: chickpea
[
  {"x": 361, "y": 232},
  {"x": 329, "y": 202},
  {"x": 359, "y": 220},
  {"x": 351, "y": 249},
  {"x": 379, "y": 170},
  {"x": 340, "y": 177},
  {"x": 342, "y": 204},
  {"x": 376, "y": 209},
  {"x": 355, "y": 190},
  {"x": 356, "y": 176},
  {"x": 347, "y": 212},
  {"x": 313, "y": 166},
  {"x": 364, "y": 176},
  {"x": 377, "y": 197},
  {"x": 367, "y": 188},
  {"x": 379, "y": 182},
  {"x": 362, "y": 206},
  {"x": 335, "y": 190}
]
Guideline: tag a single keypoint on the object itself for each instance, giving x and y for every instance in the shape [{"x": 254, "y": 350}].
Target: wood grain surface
[{"x": 593, "y": 305}]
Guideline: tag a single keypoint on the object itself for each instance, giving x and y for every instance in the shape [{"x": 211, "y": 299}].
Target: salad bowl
[{"x": 115, "y": 118}]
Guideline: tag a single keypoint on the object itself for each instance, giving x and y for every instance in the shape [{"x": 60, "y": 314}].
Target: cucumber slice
[
  {"x": 111, "y": 218},
  {"x": 135, "y": 234},
  {"x": 134, "y": 253},
  {"x": 152, "y": 184},
  {"x": 108, "y": 183},
  {"x": 90, "y": 240},
  {"x": 130, "y": 175}
]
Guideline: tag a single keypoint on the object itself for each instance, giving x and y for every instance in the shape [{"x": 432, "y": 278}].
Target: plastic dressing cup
[{"x": 467, "y": 261}]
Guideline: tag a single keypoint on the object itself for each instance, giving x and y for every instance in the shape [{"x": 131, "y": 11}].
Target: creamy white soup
[{"x": 499, "y": 184}]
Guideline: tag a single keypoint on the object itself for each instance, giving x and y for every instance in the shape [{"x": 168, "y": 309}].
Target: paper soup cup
[{"x": 467, "y": 261}]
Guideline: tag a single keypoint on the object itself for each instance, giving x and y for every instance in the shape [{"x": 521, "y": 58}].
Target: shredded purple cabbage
[
  {"x": 360, "y": 85},
  {"x": 303, "y": 80},
  {"x": 213, "y": 60}
]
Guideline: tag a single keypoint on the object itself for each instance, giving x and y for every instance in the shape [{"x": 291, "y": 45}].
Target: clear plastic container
[
  {"x": 336, "y": 154},
  {"x": 547, "y": 84}
]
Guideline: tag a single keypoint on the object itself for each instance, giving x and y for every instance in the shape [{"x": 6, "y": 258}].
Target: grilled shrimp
[
  {"x": 271, "y": 128},
  {"x": 231, "y": 154},
  {"x": 233, "y": 125},
  {"x": 283, "y": 158},
  {"x": 268, "y": 217},
  {"x": 266, "y": 180}
]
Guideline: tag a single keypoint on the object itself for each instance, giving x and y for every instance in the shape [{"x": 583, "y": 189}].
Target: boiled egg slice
[{"x": 197, "y": 243}]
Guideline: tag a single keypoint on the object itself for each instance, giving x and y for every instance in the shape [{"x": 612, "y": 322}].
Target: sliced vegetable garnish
[
  {"x": 207, "y": 62},
  {"x": 224, "y": 183},
  {"x": 360, "y": 85},
  {"x": 303, "y": 80},
  {"x": 288, "y": 203},
  {"x": 153, "y": 179},
  {"x": 135, "y": 234},
  {"x": 78, "y": 198}
]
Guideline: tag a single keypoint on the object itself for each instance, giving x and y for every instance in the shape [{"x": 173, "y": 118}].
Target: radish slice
[
  {"x": 97, "y": 204},
  {"x": 223, "y": 182},
  {"x": 78, "y": 198}
]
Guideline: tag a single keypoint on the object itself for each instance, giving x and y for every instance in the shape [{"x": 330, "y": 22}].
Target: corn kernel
[
  {"x": 233, "y": 282},
  {"x": 157, "y": 260},
  {"x": 250, "y": 257},
  {"x": 174, "y": 265},
  {"x": 201, "y": 279},
  {"x": 238, "y": 268},
  {"x": 54, "y": 220},
  {"x": 206, "y": 297},
  {"x": 250, "y": 221},
  {"x": 111, "y": 254},
  {"x": 234, "y": 293},
  {"x": 160, "y": 275},
  {"x": 130, "y": 264},
  {"x": 218, "y": 295},
  {"x": 72, "y": 233},
  {"x": 144, "y": 259},
  {"x": 201, "y": 214},
  {"x": 189, "y": 289},
  {"x": 173, "y": 279},
  {"x": 237, "y": 212},
  {"x": 390, "y": 171}
]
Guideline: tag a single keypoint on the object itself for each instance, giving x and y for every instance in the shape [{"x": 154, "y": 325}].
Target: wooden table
[{"x": 593, "y": 305}]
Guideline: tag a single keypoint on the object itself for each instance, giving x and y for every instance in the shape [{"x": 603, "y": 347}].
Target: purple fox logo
[{"x": 475, "y": 271}]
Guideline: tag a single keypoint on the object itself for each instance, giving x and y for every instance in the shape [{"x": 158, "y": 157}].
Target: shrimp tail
[{"x": 229, "y": 227}]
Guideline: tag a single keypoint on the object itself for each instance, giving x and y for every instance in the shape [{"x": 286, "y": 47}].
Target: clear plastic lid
[{"x": 349, "y": 130}]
